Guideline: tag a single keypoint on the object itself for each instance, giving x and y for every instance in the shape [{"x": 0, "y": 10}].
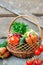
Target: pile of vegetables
[
  {"x": 4, "y": 53},
  {"x": 22, "y": 33}
]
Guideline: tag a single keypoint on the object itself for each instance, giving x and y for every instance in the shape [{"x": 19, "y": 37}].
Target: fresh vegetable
[
  {"x": 36, "y": 62},
  {"x": 14, "y": 39},
  {"x": 22, "y": 40},
  {"x": 30, "y": 31},
  {"x": 0, "y": 54},
  {"x": 28, "y": 40},
  {"x": 4, "y": 44},
  {"x": 29, "y": 62},
  {"x": 2, "y": 50},
  {"x": 41, "y": 48},
  {"x": 6, "y": 54},
  {"x": 18, "y": 27},
  {"x": 37, "y": 52},
  {"x": 31, "y": 36},
  {"x": 31, "y": 39},
  {"x": 34, "y": 38}
]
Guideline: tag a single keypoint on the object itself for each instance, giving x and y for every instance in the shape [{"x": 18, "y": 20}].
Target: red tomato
[
  {"x": 37, "y": 52},
  {"x": 14, "y": 39},
  {"x": 29, "y": 62},
  {"x": 41, "y": 48},
  {"x": 36, "y": 62}
]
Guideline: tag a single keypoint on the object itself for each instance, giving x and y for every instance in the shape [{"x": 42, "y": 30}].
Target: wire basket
[{"x": 24, "y": 50}]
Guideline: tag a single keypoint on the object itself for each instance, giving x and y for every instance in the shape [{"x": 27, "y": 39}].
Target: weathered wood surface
[{"x": 27, "y": 6}]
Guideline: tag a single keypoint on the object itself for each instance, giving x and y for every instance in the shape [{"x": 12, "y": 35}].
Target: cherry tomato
[
  {"x": 14, "y": 39},
  {"x": 36, "y": 62},
  {"x": 37, "y": 52},
  {"x": 41, "y": 48},
  {"x": 29, "y": 62}
]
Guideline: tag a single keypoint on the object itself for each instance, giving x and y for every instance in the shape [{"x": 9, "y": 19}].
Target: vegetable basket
[{"x": 29, "y": 49}]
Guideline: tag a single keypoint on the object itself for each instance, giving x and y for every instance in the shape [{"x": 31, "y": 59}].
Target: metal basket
[{"x": 24, "y": 50}]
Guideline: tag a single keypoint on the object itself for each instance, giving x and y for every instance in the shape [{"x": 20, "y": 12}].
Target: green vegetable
[
  {"x": 4, "y": 44},
  {"x": 30, "y": 31},
  {"x": 19, "y": 27},
  {"x": 22, "y": 40}
]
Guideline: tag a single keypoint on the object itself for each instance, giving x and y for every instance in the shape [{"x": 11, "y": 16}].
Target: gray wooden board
[
  {"x": 26, "y": 6},
  {"x": 12, "y": 60},
  {"x": 4, "y": 11}
]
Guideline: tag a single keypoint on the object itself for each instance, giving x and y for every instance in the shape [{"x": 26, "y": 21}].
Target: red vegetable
[
  {"x": 41, "y": 48},
  {"x": 29, "y": 62},
  {"x": 36, "y": 62},
  {"x": 14, "y": 39},
  {"x": 37, "y": 52}
]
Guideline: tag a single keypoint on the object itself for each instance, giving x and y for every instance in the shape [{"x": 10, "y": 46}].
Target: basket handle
[{"x": 30, "y": 17}]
